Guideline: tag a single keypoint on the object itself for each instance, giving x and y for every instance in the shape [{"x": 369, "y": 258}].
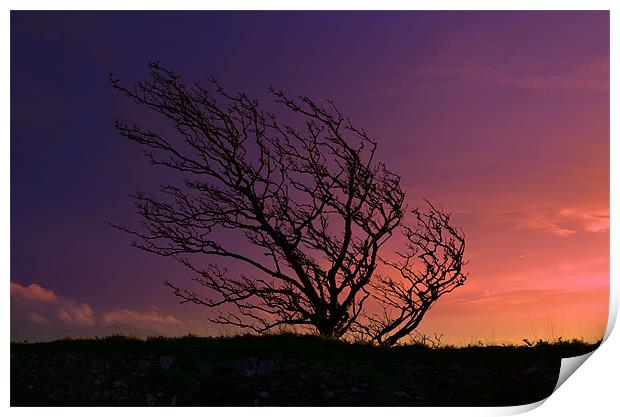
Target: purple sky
[{"x": 502, "y": 117}]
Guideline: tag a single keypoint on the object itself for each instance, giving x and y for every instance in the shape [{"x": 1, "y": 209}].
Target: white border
[{"x": 589, "y": 392}]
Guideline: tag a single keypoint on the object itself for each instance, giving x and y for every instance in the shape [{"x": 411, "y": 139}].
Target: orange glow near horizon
[
  {"x": 537, "y": 245},
  {"x": 501, "y": 118}
]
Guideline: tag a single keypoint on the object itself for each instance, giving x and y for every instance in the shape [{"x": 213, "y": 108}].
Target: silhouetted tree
[
  {"x": 312, "y": 198},
  {"x": 429, "y": 268}
]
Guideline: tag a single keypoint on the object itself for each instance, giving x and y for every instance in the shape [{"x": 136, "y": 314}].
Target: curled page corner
[
  {"x": 520, "y": 409},
  {"x": 568, "y": 366}
]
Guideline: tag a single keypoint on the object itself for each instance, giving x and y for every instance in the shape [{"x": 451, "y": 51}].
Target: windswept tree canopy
[
  {"x": 307, "y": 192},
  {"x": 313, "y": 198}
]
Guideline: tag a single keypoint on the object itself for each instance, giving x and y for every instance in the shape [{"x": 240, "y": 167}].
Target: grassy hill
[{"x": 282, "y": 370}]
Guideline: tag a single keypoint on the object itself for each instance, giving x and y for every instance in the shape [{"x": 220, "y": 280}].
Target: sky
[{"x": 502, "y": 118}]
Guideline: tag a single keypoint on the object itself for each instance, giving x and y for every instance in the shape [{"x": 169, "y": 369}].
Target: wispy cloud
[
  {"x": 483, "y": 61},
  {"x": 137, "y": 318},
  {"x": 591, "y": 221},
  {"x": 37, "y": 318},
  {"x": 529, "y": 300},
  {"x": 589, "y": 76},
  {"x": 562, "y": 222}
]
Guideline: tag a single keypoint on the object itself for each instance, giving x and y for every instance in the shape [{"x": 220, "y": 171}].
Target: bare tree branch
[
  {"x": 309, "y": 195},
  {"x": 430, "y": 267}
]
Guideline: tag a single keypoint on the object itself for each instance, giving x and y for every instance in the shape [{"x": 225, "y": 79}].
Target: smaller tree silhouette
[{"x": 430, "y": 267}]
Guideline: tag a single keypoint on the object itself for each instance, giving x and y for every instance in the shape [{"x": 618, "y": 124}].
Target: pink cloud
[
  {"x": 76, "y": 314},
  {"x": 596, "y": 221},
  {"x": 562, "y": 222},
  {"x": 37, "y": 318},
  {"x": 124, "y": 316},
  {"x": 32, "y": 293},
  {"x": 50, "y": 306},
  {"x": 49, "y": 311}
]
